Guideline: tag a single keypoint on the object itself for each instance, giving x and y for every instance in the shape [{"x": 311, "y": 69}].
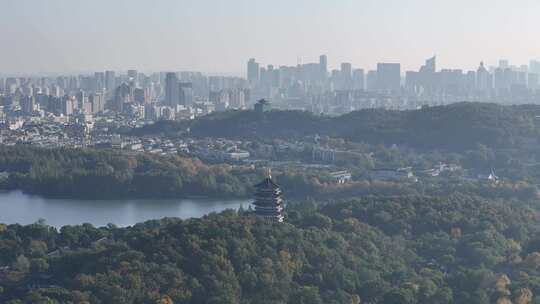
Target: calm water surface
[{"x": 17, "y": 207}]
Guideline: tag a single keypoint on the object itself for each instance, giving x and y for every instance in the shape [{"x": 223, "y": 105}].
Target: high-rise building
[
  {"x": 323, "y": 63},
  {"x": 426, "y": 78},
  {"x": 99, "y": 81},
  {"x": 371, "y": 81},
  {"x": 412, "y": 81},
  {"x": 139, "y": 96},
  {"x": 133, "y": 76},
  {"x": 81, "y": 97},
  {"x": 172, "y": 90},
  {"x": 67, "y": 105},
  {"x": 97, "y": 101},
  {"x": 388, "y": 77},
  {"x": 185, "y": 93},
  {"x": 110, "y": 81},
  {"x": 358, "y": 79},
  {"x": 56, "y": 91},
  {"x": 532, "y": 81},
  {"x": 500, "y": 81},
  {"x": 123, "y": 96},
  {"x": 483, "y": 78},
  {"x": 28, "y": 104},
  {"x": 430, "y": 66},
  {"x": 237, "y": 99},
  {"x": 346, "y": 76},
  {"x": 534, "y": 67},
  {"x": 470, "y": 81},
  {"x": 269, "y": 77},
  {"x": 253, "y": 72}
]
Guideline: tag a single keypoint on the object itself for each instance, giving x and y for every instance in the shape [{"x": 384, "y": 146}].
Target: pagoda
[{"x": 268, "y": 202}]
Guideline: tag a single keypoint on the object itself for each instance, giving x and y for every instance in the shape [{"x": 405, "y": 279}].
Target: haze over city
[
  {"x": 218, "y": 36},
  {"x": 269, "y": 152}
]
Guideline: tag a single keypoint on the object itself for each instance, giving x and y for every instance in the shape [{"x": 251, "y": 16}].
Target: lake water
[{"x": 17, "y": 207}]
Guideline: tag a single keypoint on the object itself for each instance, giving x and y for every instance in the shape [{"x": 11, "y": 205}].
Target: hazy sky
[{"x": 219, "y": 36}]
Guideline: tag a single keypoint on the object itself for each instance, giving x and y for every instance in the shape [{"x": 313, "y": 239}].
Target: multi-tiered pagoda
[{"x": 268, "y": 202}]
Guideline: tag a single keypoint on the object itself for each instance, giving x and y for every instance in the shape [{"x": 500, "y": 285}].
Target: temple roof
[{"x": 267, "y": 183}]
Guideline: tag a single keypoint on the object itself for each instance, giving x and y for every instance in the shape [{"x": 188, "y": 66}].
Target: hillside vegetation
[
  {"x": 408, "y": 249},
  {"x": 455, "y": 127}
]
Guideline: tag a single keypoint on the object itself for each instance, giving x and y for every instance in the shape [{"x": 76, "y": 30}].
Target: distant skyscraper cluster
[
  {"x": 306, "y": 86},
  {"x": 312, "y": 87},
  {"x": 503, "y": 83},
  {"x": 164, "y": 95}
]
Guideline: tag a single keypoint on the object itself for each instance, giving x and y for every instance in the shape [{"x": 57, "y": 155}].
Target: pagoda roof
[{"x": 267, "y": 183}]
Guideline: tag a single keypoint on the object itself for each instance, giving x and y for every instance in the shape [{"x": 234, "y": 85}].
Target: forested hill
[
  {"x": 457, "y": 126},
  {"x": 456, "y": 249}
]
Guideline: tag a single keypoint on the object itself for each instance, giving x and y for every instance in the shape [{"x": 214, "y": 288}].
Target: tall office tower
[
  {"x": 482, "y": 78},
  {"x": 215, "y": 83},
  {"x": 388, "y": 77},
  {"x": 56, "y": 91},
  {"x": 504, "y": 64},
  {"x": 451, "y": 81},
  {"x": 62, "y": 82},
  {"x": 67, "y": 105},
  {"x": 139, "y": 96},
  {"x": 500, "y": 79},
  {"x": 81, "y": 98},
  {"x": 247, "y": 96},
  {"x": 534, "y": 66},
  {"x": 42, "y": 101},
  {"x": 253, "y": 72},
  {"x": 323, "y": 63},
  {"x": 87, "y": 83},
  {"x": 27, "y": 90},
  {"x": 521, "y": 79},
  {"x": 28, "y": 104},
  {"x": 412, "y": 81},
  {"x": 97, "y": 101},
  {"x": 99, "y": 81},
  {"x": 346, "y": 76},
  {"x": 110, "y": 81},
  {"x": 142, "y": 79},
  {"x": 263, "y": 76},
  {"x": 426, "y": 77},
  {"x": 274, "y": 77},
  {"x": 133, "y": 77},
  {"x": 73, "y": 83},
  {"x": 172, "y": 90},
  {"x": 430, "y": 66},
  {"x": 532, "y": 81},
  {"x": 11, "y": 85},
  {"x": 185, "y": 90},
  {"x": 509, "y": 77},
  {"x": 237, "y": 99},
  {"x": 371, "y": 81},
  {"x": 271, "y": 79},
  {"x": 358, "y": 79},
  {"x": 123, "y": 95},
  {"x": 470, "y": 81}
]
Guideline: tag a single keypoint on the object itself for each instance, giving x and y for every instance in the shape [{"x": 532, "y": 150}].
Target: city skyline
[
  {"x": 217, "y": 36},
  {"x": 244, "y": 73}
]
